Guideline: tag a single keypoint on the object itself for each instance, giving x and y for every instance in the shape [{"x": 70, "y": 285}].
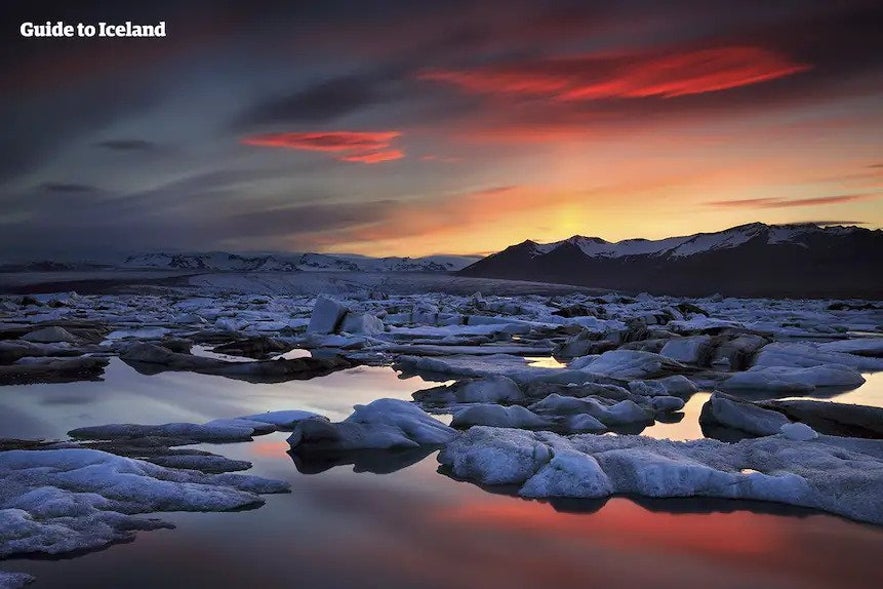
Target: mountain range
[
  {"x": 797, "y": 260},
  {"x": 286, "y": 262}
]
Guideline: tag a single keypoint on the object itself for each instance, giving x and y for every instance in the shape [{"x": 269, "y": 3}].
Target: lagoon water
[{"x": 415, "y": 527}]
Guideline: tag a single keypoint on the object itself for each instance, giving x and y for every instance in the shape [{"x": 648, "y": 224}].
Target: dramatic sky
[{"x": 409, "y": 128}]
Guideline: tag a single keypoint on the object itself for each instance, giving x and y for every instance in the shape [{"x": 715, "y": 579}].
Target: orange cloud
[
  {"x": 374, "y": 157},
  {"x": 593, "y": 77},
  {"x": 366, "y": 147}
]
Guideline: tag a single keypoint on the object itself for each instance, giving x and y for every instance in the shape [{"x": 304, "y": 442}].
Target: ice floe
[
  {"x": 56, "y": 501},
  {"x": 804, "y": 355},
  {"x": 384, "y": 423},
  {"x": 788, "y": 379},
  {"x": 15, "y": 580},
  {"x": 628, "y": 364},
  {"x": 838, "y": 475}
]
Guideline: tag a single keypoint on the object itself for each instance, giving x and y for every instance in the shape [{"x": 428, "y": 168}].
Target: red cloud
[
  {"x": 592, "y": 77},
  {"x": 373, "y": 157},
  {"x": 366, "y": 147}
]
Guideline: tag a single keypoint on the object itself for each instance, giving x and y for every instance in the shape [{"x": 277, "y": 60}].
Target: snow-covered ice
[
  {"x": 384, "y": 423},
  {"x": 71, "y": 499},
  {"x": 838, "y": 475},
  {"x": 788, "y": 379}
]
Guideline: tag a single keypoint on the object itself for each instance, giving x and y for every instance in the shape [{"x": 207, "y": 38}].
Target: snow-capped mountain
[
  {"x": 694, "y": 244},
  {"x": 307, "y": 262},
  {"x": 755, "y": 259}
]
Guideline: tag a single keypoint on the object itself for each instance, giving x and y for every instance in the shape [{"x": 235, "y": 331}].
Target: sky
[{"x": 411, "y": 128}]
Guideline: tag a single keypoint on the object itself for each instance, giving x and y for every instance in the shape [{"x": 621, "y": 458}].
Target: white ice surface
[{"x": 839, "y": 475}]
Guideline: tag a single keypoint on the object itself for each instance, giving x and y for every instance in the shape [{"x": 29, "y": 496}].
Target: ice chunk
[
  {"x": 209, "y": 432},
  {"x": 384, "y": 423},
  {"x": 839, "y": 475},
  {"x": 498, "y": 416},
  {"x": 62, "y": 500},
  {"x": 866, "y": 346},
  {"x": 568, "y": 474},
  {"x": 361, "y": 323},
  {"x": 836, "y": 419},
  {"x": 665, "y": 404},
  {"x": 799, "y": 432},
  {"x": 14, "y": 580},
  {"x": 284, "y": 420},
  {"x": 621, "y": 413},
  {"x": 807, "y": 355},
  {"x": 729, "y": 412},
  {"x": 496, "y": 456},
  {"x": 678, "y": 385},
  {"x": 327, "y": 316},
  {"x": 628, "y": 364},
  {"x": 257, "y": 428},
  {"x": 491, "y": 389},
  {"x": 50, "y": 335},
  {"x": 790, "y": 379},
  {"x": 689, "y": 350}
]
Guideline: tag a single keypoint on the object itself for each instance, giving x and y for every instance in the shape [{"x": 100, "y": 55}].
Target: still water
[{"x": 415, "y": 527}]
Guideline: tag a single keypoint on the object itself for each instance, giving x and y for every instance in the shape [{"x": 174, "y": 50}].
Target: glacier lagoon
[{"x": 414, "y": 526}]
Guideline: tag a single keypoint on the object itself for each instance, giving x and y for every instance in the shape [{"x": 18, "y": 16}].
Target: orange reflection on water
[
  {"x": 269, "y": 448},
  {"x": 623, "y": 523}
]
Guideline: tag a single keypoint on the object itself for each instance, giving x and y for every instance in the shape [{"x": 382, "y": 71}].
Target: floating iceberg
[
  {"x": 839, "y": 475},
  {"x": 72, "y": 499},
  {"x": 384, "y": 423}
]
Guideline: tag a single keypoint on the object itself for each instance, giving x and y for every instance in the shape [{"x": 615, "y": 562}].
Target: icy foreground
[
  {"x": 73, "y": 499},
  {"x": 555, "y": 366},
  {"x": 14, "y": 580},
  {"x": 839, "y": 475}
]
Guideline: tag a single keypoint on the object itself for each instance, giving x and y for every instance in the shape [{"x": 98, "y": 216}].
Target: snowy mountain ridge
[
  {"x": 796, "y": 260},
  {"x": 687, "y": 245},
  {"x": 305, "y": 262}
]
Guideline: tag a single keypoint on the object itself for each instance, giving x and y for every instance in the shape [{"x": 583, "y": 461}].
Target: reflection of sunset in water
[
  {"x": 545, "y": 362},
  {"x": 268, "y": 448},
  {"x": 418, "y": 528},
  {"x": 625, "y": 524}
]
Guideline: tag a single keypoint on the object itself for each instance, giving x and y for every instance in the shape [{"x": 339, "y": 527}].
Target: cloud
[
  {"x": 292, "y": 221},
  {"x": 373, "y": 157},
  {"x": 634, "y": 75},
  {"x": 826, "y": 223},
  {"x": 366, "y": 147},
  {"x": 68, "y": 187},
  {"x": 775, "y": 203},
  {"x": 127, "y": 145},
  {"x": 325, "y": 101}
]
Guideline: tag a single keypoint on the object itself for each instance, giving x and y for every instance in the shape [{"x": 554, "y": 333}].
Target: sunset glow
[{"x": 446, "y": 131}]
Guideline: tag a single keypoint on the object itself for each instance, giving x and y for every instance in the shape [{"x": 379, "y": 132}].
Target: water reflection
[
  {"x": 870, "y": 393},
  {"x": 315, "y": 461},
  {"x": 415, "y": 528},
  {"x": 391, "y": 520},
  {"x": 126, "y": 396}
]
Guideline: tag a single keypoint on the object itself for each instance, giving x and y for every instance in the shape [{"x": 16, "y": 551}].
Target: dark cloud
[
  {"x": 777, "y": 203},
  {"x": 325, "y": 101},
  {"x": 306, "y": 219},
  {"x": 127, "y": 145},
  {"x": 68, "y": 187},
  {"x": 827, "y": 223}
]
